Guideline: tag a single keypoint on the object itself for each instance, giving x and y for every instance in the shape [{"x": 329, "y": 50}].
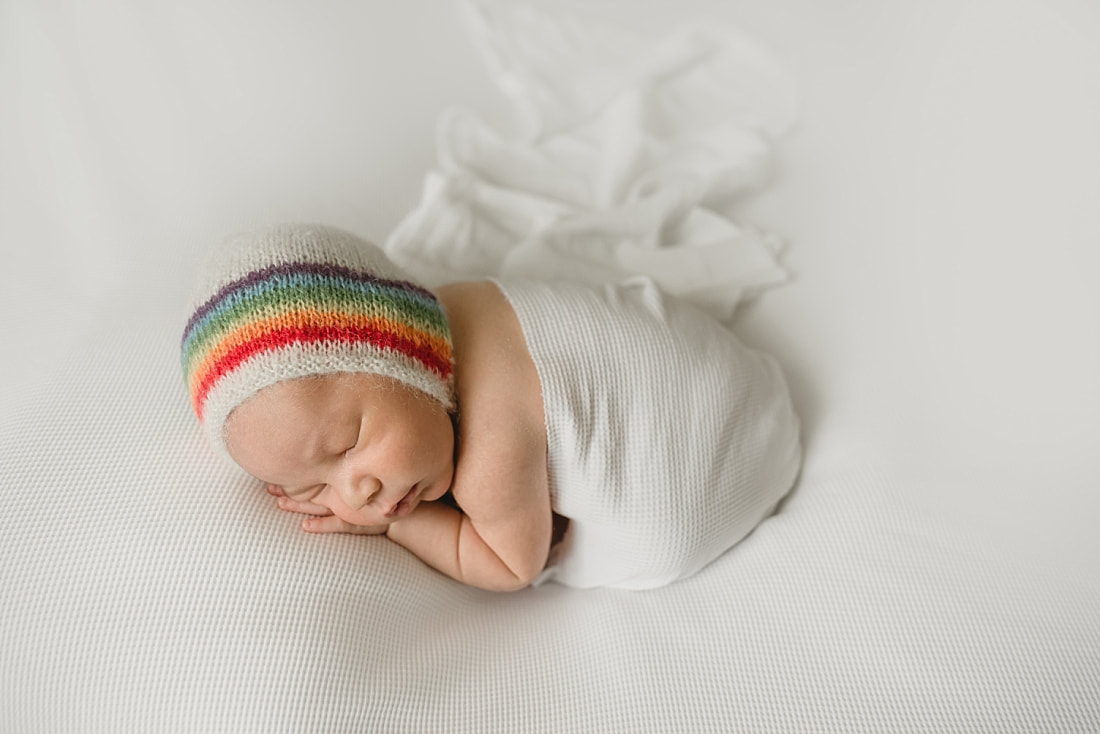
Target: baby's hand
[{"x": 321, "y": 519}]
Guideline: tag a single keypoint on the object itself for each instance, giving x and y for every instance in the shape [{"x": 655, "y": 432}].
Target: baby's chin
[
  {"x": 435, "y": 492},
  {"x": 427, "y": 494}
]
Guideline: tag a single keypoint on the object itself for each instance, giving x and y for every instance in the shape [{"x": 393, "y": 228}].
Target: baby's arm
[
  {"x": 501, "y": 538},
  {"x": 499, "y": 541}
]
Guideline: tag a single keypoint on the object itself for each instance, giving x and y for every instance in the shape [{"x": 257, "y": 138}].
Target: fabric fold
[{"x": 627, "y": 157}]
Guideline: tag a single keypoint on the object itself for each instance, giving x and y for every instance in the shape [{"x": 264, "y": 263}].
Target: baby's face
[{"x": 367, "y": 448}]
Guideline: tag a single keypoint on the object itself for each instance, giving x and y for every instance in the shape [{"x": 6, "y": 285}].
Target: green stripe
[{"x": 279, "y": 301}]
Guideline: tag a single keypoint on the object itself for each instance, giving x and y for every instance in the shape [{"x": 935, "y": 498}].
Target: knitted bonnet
[{"x": 300, "y": 300}]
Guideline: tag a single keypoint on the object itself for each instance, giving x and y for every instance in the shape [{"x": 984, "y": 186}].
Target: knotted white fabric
[{"x": 627, "y": 156}]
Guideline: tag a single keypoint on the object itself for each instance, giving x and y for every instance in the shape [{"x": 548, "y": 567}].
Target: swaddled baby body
[{"x": 505, "y": 433}]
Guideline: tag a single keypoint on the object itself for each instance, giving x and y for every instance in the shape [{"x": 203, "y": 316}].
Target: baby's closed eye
[{"x": 355, "y": 439}]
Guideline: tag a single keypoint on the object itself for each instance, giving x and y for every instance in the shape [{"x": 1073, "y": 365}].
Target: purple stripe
[{"x": 299, "y": 267}]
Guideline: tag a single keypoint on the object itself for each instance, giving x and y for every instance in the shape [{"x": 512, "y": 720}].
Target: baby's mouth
[{"x": 405, "y": 505}]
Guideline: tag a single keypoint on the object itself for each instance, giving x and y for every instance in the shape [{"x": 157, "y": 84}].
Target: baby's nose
[{"x": 361, "y": 490}]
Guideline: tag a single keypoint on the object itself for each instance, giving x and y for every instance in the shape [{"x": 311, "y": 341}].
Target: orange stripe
[{"x": 259, "y": 329}]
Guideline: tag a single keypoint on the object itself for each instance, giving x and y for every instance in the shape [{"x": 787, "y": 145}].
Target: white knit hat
[{"x": 298, "y": 300}]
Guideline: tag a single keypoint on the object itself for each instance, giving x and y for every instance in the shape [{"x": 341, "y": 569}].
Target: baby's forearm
[{"x": 447, "y": 540}]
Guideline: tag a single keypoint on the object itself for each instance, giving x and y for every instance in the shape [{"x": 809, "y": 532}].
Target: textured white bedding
[{"x": 934, "y": 570}]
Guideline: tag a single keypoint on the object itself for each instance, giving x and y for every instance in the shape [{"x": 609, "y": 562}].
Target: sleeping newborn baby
[{"x": 506, "y": 434}]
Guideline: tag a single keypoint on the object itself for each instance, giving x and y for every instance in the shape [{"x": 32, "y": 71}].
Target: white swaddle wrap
[{"x": 668, "y": 440}]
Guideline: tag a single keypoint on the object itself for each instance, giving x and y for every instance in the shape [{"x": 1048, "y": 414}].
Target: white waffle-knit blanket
[{"x": 668, "y": 439}]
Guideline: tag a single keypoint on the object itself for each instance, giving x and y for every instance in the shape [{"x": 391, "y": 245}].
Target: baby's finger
[
  {"x": 304, "y": 508},
  {"x": 326, "y": 524},
  {"x": 333, "y": 524},
  {"x": 275, "y": 490}
]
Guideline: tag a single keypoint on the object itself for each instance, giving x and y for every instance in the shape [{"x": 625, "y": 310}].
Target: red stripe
[{"x": 312, "y": 334}]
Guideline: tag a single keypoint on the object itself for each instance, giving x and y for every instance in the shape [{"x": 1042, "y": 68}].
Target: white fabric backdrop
[{"x": 934, "y": 570}]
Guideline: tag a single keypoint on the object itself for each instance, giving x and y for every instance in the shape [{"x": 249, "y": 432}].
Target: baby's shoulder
[
  {"x": 483, "y": 324},
  {"x": 502, "y": 428},
  {"x": 496, "y": 380}
]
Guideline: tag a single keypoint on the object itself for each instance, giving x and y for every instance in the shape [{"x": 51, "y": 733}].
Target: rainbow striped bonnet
[{"x": 301, "y": 300}]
